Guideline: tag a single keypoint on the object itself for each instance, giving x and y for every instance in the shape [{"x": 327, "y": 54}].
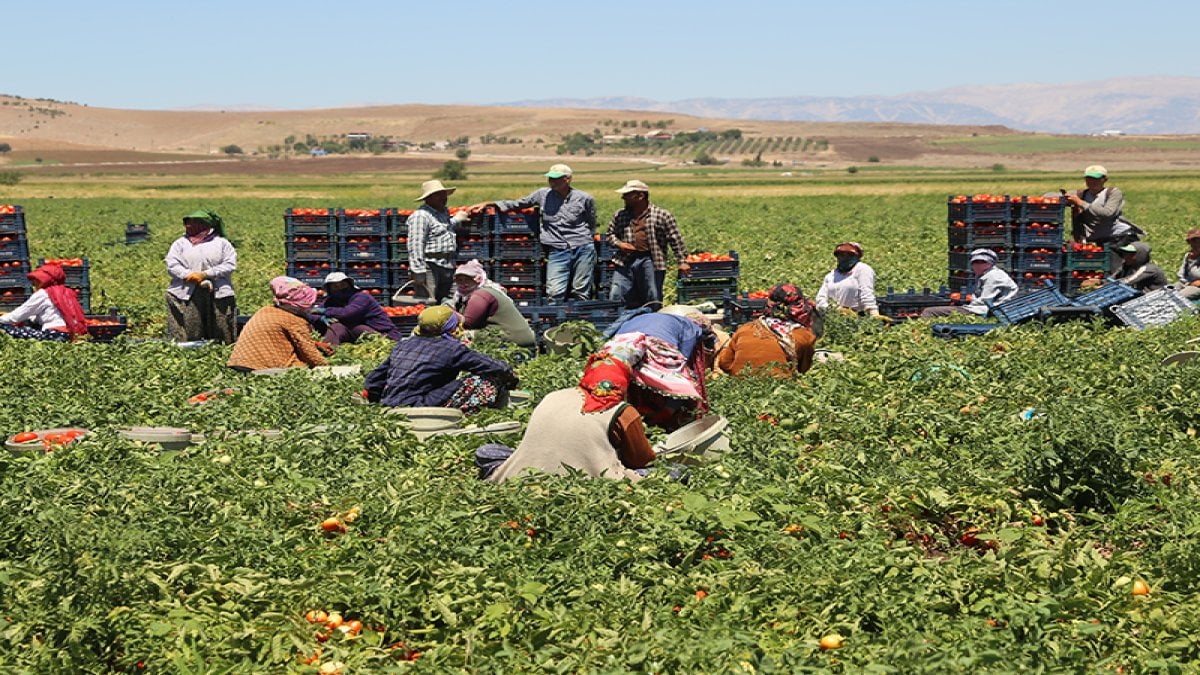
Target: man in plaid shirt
[
  {"x": 432, "y": 243},
  {"x": 641, "y": 232}
]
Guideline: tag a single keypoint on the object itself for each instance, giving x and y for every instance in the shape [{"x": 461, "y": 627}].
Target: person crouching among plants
[
  {"x": 52, "y": 312},
  {"x": 1137, "y": 270},
  {"x": 423, "y": 370},
  {"x": 780, "y": 343},
  {"x": 279, "y": 335},
  {"x": 349, "y": 313},
  {"x": 589, "y": 428},
  {"x": 992, "y": 284}
]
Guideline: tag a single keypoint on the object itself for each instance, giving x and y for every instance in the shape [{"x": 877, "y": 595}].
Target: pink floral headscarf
[{"x": 293, "y": 293}]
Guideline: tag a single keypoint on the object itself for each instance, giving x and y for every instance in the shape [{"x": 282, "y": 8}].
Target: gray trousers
[{"x": 202, "y": 318}]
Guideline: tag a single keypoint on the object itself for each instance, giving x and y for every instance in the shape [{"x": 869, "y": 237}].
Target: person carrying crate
[
  {"x": 992, "y": 284},
  {"x": 1096, "y": 214},
  {"x": 642, "y": 232}
]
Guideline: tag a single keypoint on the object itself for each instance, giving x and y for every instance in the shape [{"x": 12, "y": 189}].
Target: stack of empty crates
[
  {"x": 14, "y": 258},
  {"x": 708, "y": 281}
]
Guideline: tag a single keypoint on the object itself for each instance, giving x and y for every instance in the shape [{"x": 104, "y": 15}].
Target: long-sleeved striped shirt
[
  {"x": 567, "y": 222},
  {"x": 661, "y": 232},
  {"x": 430, "y": 238}
]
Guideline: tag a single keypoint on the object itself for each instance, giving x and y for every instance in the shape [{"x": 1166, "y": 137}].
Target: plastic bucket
[
  {"x": 168, "y": 438},
  {"x": 36, "y": 444},
  {"x": 430, "y": 418},
  {"x": 705, "y": 438},
  {"x": 560, "y": 339}
]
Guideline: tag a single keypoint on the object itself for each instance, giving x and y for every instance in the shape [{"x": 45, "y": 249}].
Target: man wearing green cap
[
  {"x": 200, "y": 300},
  {"x": 567, "y": 230},
  {"x": 1096, "y": 214}
]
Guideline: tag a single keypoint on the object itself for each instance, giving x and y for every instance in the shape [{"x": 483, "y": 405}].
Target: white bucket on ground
[
  {"x": 706, "y": 438},
  {"x": 429, "y": 418},
  {"x": 168, "y": 438}
]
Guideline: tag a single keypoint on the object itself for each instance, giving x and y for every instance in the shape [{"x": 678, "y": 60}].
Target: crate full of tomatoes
[
  {"x": 1085, "y": 256},
  {"x": 76, "y": 269},
  {"x": 1039, "y": 209},
  {"x": 404, "y": 317},
  {"x": 367, "y": 222},
  {"x": 106, "y": 327},
  {"x": 979, "y": 208},
  {"x": 309, "y": 221},
  {"x": 12, "y": 219},
  {"x": 705, "y": 265}
]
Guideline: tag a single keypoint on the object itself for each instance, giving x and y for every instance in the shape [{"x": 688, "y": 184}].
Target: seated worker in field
[
  {"x": 991, "y": 284},
  {"x": 850, "y": 286},
  {"x": 278, "y": 335},
  {"x": 1189, "y": 269},
  {"x": 781, "y": 342},
  {"x": 423, "y": 370},
  {"x": 484, "y": 304},
  {"x": 52, "y": 312},
  {"x": 348, "y": 313},
  {"x": 589, "y": 428},
  {"x": 1137, "y": 270},
  {"x": 668, "y": 352}
]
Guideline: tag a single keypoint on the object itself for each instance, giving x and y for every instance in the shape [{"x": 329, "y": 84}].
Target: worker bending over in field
[
  {"x": 992, "y": 284},
  {"x": 422, "y": 370},
  {"x": 432, "y": 243},
  {"x": 642, "y": 232},
  {"x": 349, "y": 313},
  {"x": 1096, "y": 214},
  {"x": 779, "y": 343},
  {"x": 279, "y": 335},
  {"x": 588, "y": 428},
  {"x": 567, "y": 229},
  {"x": 52, "y": 312},
  {"x": 200, "y": 300}
]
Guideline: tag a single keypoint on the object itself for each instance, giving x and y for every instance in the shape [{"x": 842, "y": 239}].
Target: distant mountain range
[{"x": 1133, "y": 105}]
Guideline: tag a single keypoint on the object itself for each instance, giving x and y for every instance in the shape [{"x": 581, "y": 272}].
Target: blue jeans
[
  {"x": 574, "y": 264},
  {"x": 637, "y": 283}
]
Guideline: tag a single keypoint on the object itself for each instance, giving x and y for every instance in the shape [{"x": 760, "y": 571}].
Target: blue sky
[{"x": 309, "y": 53}]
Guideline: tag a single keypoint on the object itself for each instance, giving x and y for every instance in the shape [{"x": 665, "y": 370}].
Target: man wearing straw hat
[{"x": 432, "y": 244}]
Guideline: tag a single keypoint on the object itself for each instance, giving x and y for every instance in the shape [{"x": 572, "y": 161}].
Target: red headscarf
[
  {"x": 604, "y": 384},
  {"x": 787, "y": 302},
  {"x": 53, "y": 280}
]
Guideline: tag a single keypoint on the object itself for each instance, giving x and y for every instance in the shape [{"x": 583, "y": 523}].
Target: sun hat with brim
[
  {"x": 1193, "y": 233},
  {"x": 633, "y": 186},
  {"x": 1095, "y": 171},
  {"x": 558, "y": 171},
  {"x": 984, "y": 255},
  {"x": 1127, "y": 248},
  {"x": 335, "y": 277},
  {"x": 851, "y": 247},
  {"x": 430, "y": 187}
]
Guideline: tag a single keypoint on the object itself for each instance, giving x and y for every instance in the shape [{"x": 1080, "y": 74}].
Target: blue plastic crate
[
  {"x": 312, "y": 249},
  {"x": 716, "y": 269},
  {"x": 524, "y": 221},
  {"x": 106, "y": 327},
  {"x": 1027, "y": 236},
  {"x": 1072, "y": 284},
  {"x": 363, "y": 222},
  {"x": 1111, "y": 293},
  {"x": 14, "y": 248},
  {"x": 516, "y": 247},
  {"x": 474, "y": 246},
  {"x": 1085, "y": 260},
  {"x": 971, "y": 211},
  {"x": 318, "y": 222},
  {"x": 398, "y": 248},
  {"x": 480, "y": 223},
  {"x": 13, "y": 223},
  {"x": 1034, "y": 281},
  {"x": 525, "y": 296},
  {"x": 311, "y": 273},
  {"x": 910, "y": 305},
  {"x": 14, "y": 296},
  {"x": 704, "y": 290},
  {"x": 136, "y": 233},
  {"x": 398, "y": 225},
  {"x": 84, "y": 295},
  {"x": 600, "y": 313},
  {"x": 1052, "y": 213},
  {"x": 1156, "y": 308},
  {"x": 364, "y": 248},
  {"x": 1038, "y": 259},
  {"x": 78, "y": 276},
  {"x": 604, "y": 250},
  {"x": 368, "y": 274},
  {"x": 740, "y": 309},
  {"x": 1025, "y": 307},
  {"x": 518, "y": 273},
  {"x": 980, "y": 235},
  {"x": 948, "y": 331},
  {"x": 14, "y": 272}
]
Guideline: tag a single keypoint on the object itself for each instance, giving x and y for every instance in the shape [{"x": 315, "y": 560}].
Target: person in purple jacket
[{"x": 349, "y": 312}]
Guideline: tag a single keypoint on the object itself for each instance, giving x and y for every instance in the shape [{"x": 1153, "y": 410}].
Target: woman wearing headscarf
[
  {"x": 781, "y": 342},
  {"x": 588, "y": 428},
  {"x": 279, "y": 335},
  {"x": 52, "y": 312},
  {"x": 850, "y": 285},
  {"x": 423, "y": 370},
  {"x": 667, "y": 352},
  {"x": 483, "y": 303},
  {"x": 349, "y": 312},
  {"x": 200, "y": 302}
]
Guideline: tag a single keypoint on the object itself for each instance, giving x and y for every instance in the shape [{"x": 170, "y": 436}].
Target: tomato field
[{"x": 1023, "y": 500}]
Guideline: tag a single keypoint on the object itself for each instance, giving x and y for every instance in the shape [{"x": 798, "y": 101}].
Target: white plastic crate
[{"x": 1156, "y": 308}]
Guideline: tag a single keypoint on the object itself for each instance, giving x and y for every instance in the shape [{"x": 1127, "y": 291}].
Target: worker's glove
[{"x": 195, "y": 277}]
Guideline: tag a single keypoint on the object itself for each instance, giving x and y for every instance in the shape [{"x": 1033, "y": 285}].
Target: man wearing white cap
[
  {"x": 1096, "y": 214},
  {"x": 568, "y": 226},
  {"x": 641, "y": 233},
  {"x": 991, "y": 284},
  {"x": 348, "y": 313},
  {"x": 432, "y": 243}
]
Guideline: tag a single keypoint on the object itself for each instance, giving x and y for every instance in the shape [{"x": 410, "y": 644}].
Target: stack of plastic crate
[
  {"x": 604, "y": 265},
  {"x": 398, "y": 270},
  {"x": 1083, "y": 262},
  {"x": 78, "y": 272},
  {"x": 14, "y": 258},
  {"x": 909, "y": 305},
  {"x": 743, "y": 308},
  {"x": 518, "y": 260},
  {"x": 1038, "y": 241},
  {"x": 310, "y": 235},
  {"x": 363, "y": 249},
  {"x": 136, "y": 233},
  {"x": 709, "y": 279},
  {"x": 978, "y": 221}
]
